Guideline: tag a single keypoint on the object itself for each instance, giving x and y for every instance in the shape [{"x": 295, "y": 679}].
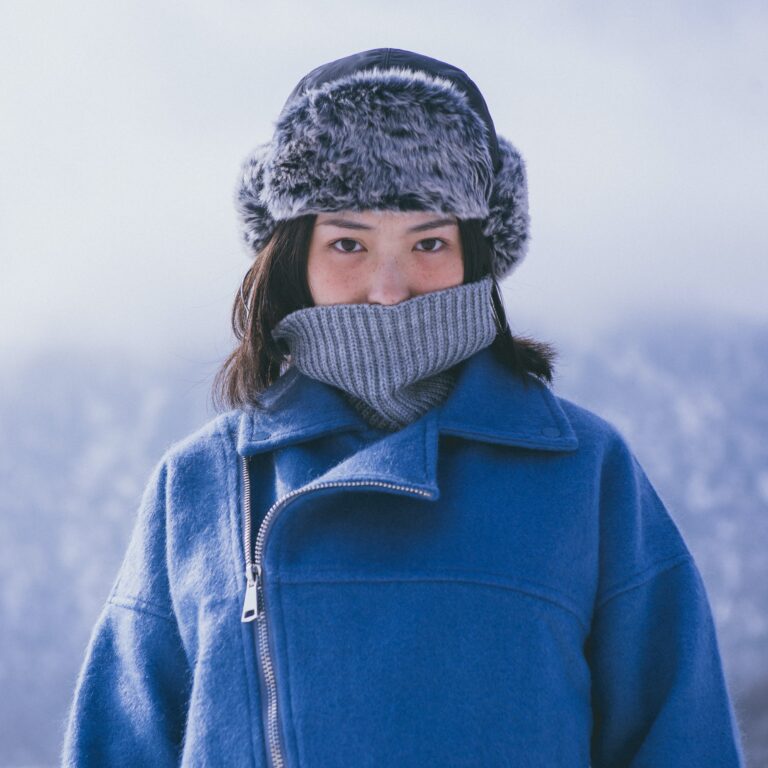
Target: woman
[{"x": 397, "y": 546}]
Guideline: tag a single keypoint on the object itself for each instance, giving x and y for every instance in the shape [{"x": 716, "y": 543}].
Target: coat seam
[
  {"x": 277, "y": 437},
  {"x": 652, "y": 571},
  {"x": 420, "y": 579},
  {"x": 519, "y": 440},
  {"x": 140, "y": 606},
  {"x": 555, "y": 420}
]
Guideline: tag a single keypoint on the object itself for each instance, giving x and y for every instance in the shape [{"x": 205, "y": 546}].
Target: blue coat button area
[{"x": 550, "y": 432}]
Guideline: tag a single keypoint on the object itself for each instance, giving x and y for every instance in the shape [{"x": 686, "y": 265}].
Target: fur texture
[{"x": 390, "y": 138}]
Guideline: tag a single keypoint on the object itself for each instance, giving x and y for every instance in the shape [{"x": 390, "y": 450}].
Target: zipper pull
[{"x": 251, "y": 606}]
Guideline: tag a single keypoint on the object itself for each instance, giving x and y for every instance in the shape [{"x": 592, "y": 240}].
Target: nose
[{"x": 388, "y": 283}]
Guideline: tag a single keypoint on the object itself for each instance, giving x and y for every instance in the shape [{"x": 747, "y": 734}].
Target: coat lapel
[{"x": 488, "y": 403}]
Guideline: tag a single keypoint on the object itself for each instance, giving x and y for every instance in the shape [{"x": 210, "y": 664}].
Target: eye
[
  {"x": 431, "y": 241},
  {"x": 345, "y": 240}
]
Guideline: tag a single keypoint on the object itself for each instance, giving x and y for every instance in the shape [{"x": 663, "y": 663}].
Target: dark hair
[{"x": 276, "y": 285}]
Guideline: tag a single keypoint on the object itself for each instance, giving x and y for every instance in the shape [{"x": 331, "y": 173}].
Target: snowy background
[{"x": 123, "y": 127}]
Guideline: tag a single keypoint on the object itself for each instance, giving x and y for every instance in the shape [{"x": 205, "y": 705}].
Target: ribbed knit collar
[{"x": 393, "y": 362}]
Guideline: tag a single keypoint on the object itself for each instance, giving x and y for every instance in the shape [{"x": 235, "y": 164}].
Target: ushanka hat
[{"x": 387, "y": 129}]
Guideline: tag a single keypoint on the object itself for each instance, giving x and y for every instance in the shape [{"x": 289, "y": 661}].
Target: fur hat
[{"x": 387, "y": 129}]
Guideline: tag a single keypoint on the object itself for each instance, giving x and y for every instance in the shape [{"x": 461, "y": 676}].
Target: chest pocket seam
[{"x": 479, "y": 578}]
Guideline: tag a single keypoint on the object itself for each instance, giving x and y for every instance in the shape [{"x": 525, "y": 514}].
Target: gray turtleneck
[{"x": 393, "y": 362}]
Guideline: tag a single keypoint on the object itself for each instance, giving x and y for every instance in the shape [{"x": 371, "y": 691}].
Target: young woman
[{"x": 396, "y": 546}]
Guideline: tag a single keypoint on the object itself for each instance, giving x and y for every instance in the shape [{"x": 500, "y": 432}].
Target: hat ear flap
[
  {"x": 257, "y": 223},
  {"x": 508, "y": 222}
]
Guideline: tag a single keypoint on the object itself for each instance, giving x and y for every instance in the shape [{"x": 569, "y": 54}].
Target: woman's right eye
[{"x": 346, "y": 240}]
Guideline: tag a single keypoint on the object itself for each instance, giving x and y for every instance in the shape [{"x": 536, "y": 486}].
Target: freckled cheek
[
  {"x": 340, "y": 282},
  {"x": 446, "y": 272},
  {"x": 333, "y": 284}
]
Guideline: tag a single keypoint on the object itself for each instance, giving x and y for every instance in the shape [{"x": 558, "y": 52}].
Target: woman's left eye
[
  {"x": 431, "y": 240},
  {"x": 347, "y": 240}
]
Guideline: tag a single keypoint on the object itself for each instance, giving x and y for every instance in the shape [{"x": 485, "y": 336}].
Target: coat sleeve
[
  {"x": 130, "y": 699},
  {"x": 659, "y": 693}
]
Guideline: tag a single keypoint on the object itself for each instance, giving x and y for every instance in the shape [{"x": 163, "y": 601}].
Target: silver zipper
[{"x": 253, "y": 605}]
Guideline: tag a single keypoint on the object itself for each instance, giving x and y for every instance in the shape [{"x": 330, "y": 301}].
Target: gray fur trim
[
  {"x": 385, "y": 139},
  {"x": 258, "y": 224},
  {"x": 508, "y": 223}
]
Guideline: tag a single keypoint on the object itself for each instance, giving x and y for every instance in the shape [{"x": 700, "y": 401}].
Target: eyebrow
[{"x": 348, "y": 224}]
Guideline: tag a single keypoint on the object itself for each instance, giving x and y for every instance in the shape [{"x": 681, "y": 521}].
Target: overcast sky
[{"x": 643, "y": 127}]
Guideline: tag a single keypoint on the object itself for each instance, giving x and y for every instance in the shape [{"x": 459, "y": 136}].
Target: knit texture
[{"x": 393, "y": 362}]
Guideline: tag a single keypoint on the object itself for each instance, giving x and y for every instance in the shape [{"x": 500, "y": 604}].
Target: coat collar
[{"x": 488, "y": 403}]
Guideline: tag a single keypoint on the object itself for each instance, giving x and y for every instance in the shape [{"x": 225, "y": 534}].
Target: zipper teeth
[
  {"x": 253, "y": 558},
  {"x": 273, "y": 735},
  {"x": 247, "y": 519}
]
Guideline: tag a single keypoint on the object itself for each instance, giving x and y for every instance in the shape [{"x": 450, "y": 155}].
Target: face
[{"x": 382, "y": 257}]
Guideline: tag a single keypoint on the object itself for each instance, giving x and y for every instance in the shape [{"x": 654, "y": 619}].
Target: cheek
[
  {"x": 436, "y": 273},
  {"x": 456, "y": 269},
  {"x": 329, "y": 282}
]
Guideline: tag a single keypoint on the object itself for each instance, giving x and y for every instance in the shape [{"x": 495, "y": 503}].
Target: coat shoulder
[
  {"x": 590, "y": 427},
  {"x": 200, "y": 461},
  {"x": 639, "y": 536},
  {"x": 214, "y": 436}
]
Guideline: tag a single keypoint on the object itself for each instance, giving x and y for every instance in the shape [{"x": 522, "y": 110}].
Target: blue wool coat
[{"x": 496, "y": 584}]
